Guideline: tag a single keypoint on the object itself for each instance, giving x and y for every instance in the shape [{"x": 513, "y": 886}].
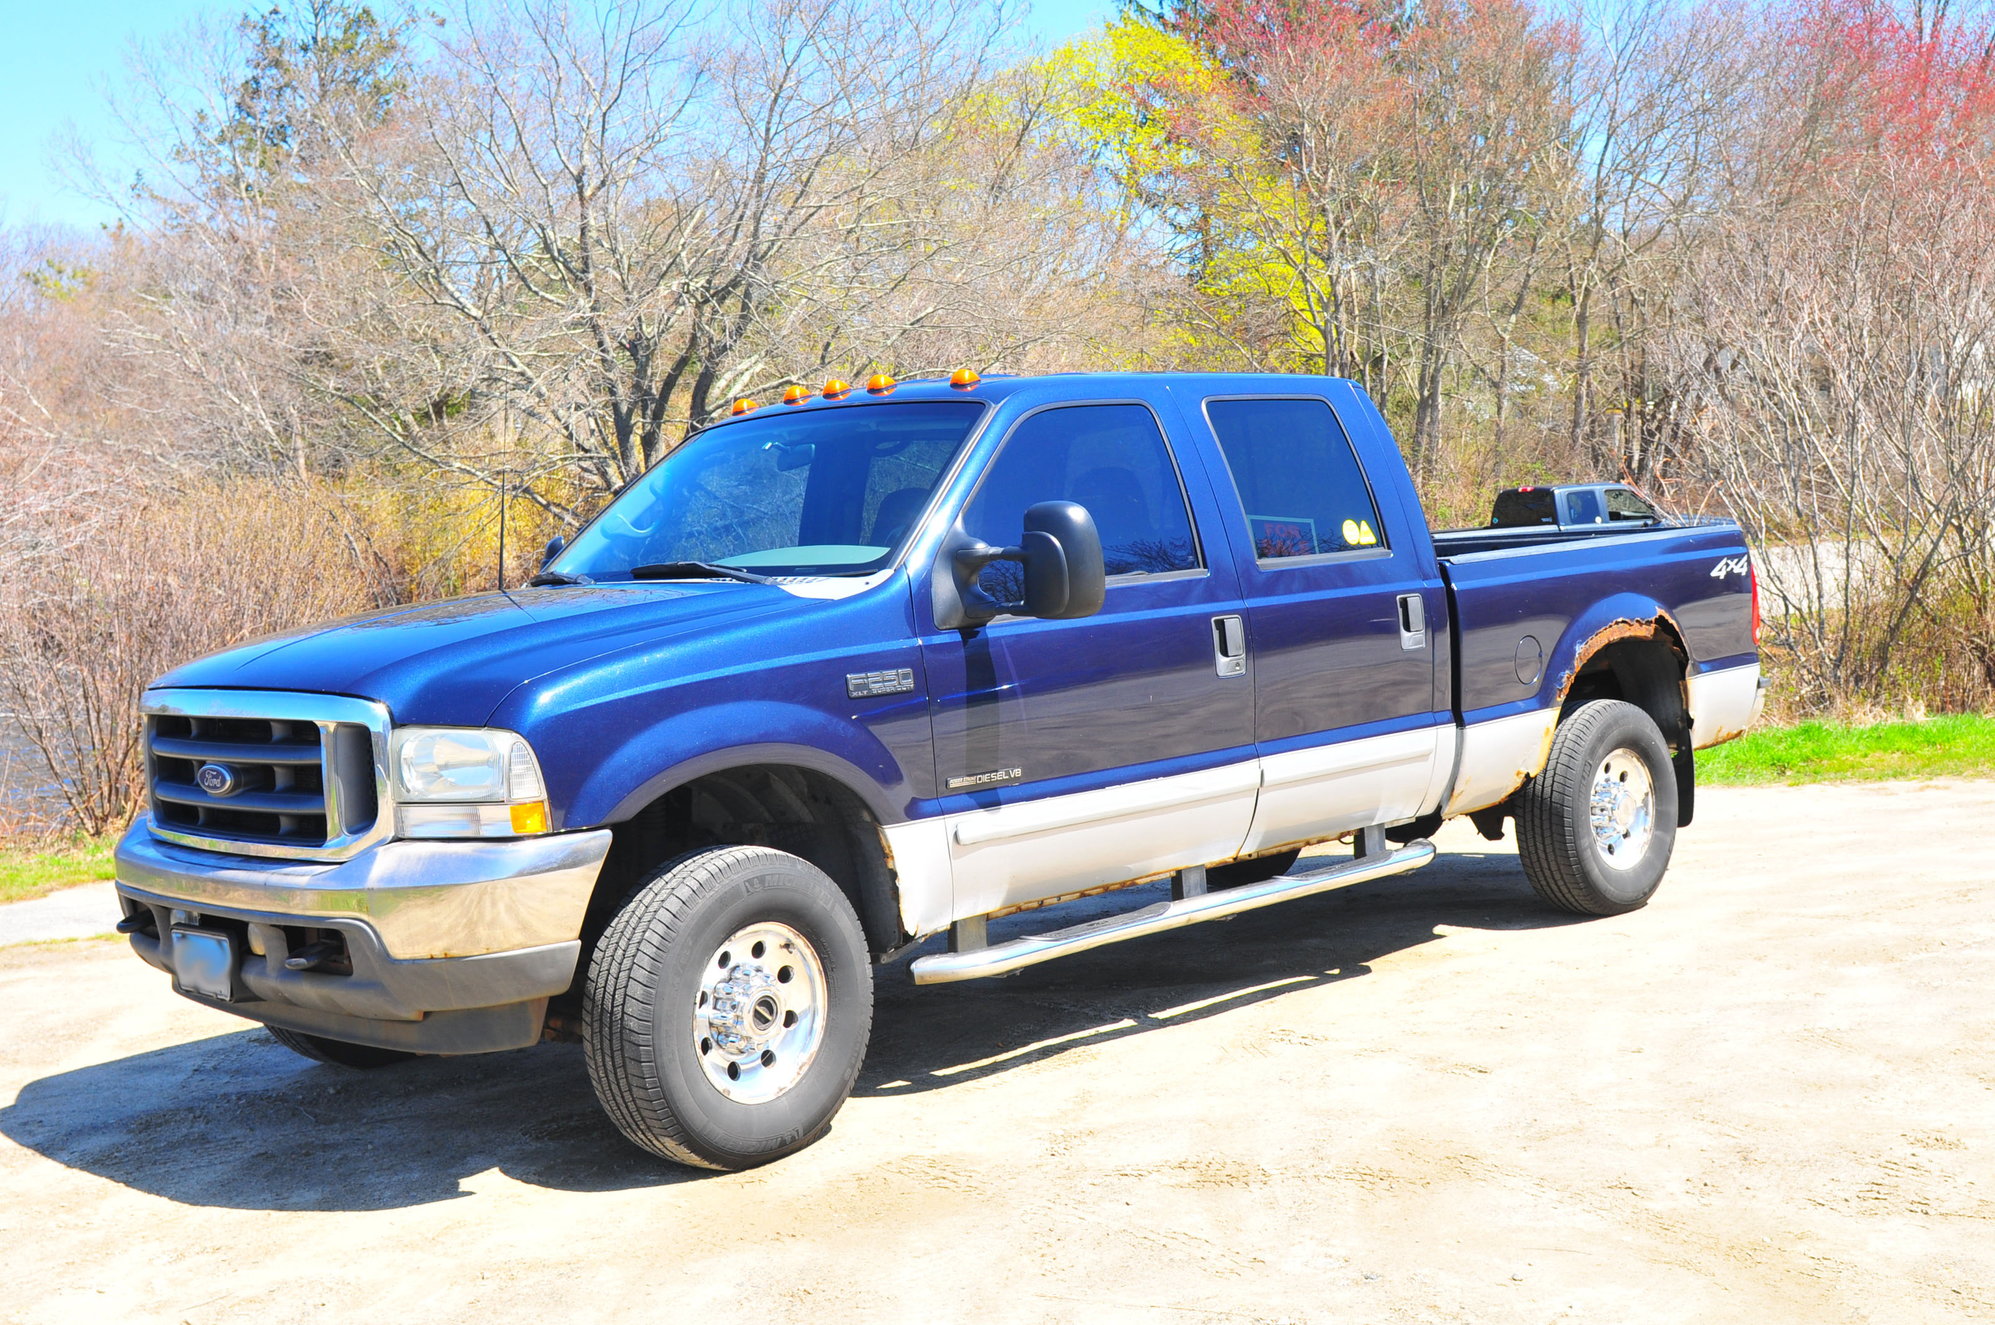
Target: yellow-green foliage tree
[{"x": 1357, "y": 189}]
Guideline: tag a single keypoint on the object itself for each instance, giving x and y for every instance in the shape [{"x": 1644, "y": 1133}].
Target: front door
[
  {"x": 1077, "y": 753},
  {"x": 1344, "y": 626}
]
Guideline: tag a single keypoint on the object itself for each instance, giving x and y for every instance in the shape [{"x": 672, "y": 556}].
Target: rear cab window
[
  {"x": 1521, "y": 508},
  {"x": 1301, "y": 489}
]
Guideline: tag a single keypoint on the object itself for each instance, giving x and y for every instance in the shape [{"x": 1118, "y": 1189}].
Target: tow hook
[{"x": 305, "y": 958}]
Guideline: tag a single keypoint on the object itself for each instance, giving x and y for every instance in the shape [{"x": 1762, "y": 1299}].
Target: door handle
[
  {"x": 1412, "y": 621},
  {"x": 1229, "y": 645}
]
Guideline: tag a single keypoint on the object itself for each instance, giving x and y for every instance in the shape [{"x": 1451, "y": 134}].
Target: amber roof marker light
[
  {"x": 879, "y": 384},
  {"x": 742, "y": 406},
  {"x": 964, "y": 378},
  {"x": 834, "y": 389},
  {"x": 795, "y": 395}
]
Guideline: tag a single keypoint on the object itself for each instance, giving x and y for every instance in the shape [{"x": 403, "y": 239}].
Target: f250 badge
[{"x": 1731, "y": 566}]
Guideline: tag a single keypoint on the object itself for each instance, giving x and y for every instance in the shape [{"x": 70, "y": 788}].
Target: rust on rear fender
[{"x": 1657, "y": 627}]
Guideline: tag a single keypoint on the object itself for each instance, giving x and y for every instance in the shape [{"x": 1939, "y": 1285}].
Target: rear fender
[
  {"x": 1661, "y": 689},
  {"x": 1623, "y": 616},
  {"x": 1501, "y": 751}
]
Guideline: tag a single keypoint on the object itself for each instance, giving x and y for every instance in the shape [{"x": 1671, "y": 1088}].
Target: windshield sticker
[
  {"x": 1282, "y": 535},
  {"x": 1358, "y": 533}
]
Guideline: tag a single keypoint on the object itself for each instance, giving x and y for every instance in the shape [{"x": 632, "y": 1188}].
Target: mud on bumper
[{"x": 433, "y": 947}]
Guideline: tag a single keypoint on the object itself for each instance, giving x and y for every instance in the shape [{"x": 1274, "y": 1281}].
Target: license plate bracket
[{"x": 204, "y": 962}]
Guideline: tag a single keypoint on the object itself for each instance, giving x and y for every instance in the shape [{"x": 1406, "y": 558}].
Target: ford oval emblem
[{"x": 217, "y": 779}]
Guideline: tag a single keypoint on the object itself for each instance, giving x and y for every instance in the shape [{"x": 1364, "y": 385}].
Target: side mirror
[
  {"x": 553, "y": 550},
  {"x": 1060, "y": 553},
  {"x": 1064, "y": 575}
]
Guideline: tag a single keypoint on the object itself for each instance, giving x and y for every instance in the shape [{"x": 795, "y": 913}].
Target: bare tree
[
  {"x": 1835, "y": 333},
  {"x": 540, "y": 251},
  {"x": 1655, "y": 87}
]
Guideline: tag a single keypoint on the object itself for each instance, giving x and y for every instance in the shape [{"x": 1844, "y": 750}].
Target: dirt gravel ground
[{"x": 1768, "y": 1097}]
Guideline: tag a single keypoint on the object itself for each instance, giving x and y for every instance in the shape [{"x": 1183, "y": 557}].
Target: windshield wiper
[
  {"x": 553, "y": 577},
  {"x": 695, "y": 570}
]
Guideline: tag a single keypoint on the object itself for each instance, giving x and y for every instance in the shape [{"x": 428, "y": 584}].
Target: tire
[
  {"x": 1614, "y": 867},
  {"x": 1240, "y": 873},
  {"x": 339, "y": 1053},
  {"x": 712, "y": 1056}
]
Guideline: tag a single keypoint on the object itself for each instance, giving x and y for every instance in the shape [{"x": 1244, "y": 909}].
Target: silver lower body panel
[{"x": 1004, "y": 958}]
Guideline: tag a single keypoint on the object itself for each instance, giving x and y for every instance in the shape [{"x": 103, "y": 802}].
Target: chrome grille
[
  {"x": 267, "y": 773},
  {"x": 277, "y": 790}
]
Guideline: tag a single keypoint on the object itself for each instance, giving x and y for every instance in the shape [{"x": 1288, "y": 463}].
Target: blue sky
[{"x": 57, "y": 57}]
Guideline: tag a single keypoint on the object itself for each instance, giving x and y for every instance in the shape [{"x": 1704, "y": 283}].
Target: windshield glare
[{"x": 824, "y": 492}]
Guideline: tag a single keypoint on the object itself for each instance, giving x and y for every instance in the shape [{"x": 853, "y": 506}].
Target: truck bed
[
  {"x": 1568, "y": 589},
  {"x": 1523, "y": 613},
  {"x": 1485, "y": 538}
]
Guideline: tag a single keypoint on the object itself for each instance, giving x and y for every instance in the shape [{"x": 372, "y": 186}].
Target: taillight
[{"x": 1752, "y": 574}]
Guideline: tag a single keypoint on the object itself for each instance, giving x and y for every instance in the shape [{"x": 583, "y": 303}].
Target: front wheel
[
  {"x": 1596, "y": 828},
  {"x": 727, "y": 1008}
]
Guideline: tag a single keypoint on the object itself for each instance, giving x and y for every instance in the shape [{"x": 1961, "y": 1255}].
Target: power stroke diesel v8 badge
[{"x": 986, "y": 779}]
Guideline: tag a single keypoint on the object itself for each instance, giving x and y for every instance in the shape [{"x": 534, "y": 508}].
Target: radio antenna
[{"x": 503, "y": 476}]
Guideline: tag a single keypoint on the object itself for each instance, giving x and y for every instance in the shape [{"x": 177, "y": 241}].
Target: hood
[{"x": 450, "y": 663}]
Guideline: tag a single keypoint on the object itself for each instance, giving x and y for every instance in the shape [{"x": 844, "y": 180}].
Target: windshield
[{"x": 827, "y": 492}]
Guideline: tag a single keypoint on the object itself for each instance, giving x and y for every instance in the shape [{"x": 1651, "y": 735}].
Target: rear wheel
[
  {"x": 1596, "y": 828},
  {"x": 727, "y": 1008},
  {"x": 338, "y": 1052}
]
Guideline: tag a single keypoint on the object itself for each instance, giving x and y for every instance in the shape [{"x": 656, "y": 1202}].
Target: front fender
[{"x": 654, "y": 759}]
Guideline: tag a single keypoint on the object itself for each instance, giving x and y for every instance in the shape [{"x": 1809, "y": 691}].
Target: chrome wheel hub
[
  {"x": 758, "y": 1019},
  {"x": 1623, "y": 809}
]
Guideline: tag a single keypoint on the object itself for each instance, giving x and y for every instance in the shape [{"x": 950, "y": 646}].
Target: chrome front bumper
[
  {"x": 454, "y": 946},
  {"x": 423, "y": 898}
]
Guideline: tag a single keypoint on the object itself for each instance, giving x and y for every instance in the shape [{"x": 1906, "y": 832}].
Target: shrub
[{"x": 101, "y": 604}]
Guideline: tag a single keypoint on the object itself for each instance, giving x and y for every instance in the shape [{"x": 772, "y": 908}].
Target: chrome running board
[{"x": 1003, "y": 958}]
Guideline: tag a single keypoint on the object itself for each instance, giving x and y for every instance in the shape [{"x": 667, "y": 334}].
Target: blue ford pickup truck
[{"x": 877, "y": 664}]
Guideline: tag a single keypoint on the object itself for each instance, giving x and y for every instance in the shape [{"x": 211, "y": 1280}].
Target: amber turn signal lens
[
  {"x": 835, "y": 388},
  {"x": 742, "y": 406},
  {"x": 530, "y": 817},
  {"x": 879, "y": 384},
  {"x": 964, "y": 377},
  {"x": 795, "y": 395}
]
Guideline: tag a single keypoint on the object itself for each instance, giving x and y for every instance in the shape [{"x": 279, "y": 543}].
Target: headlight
[{"x": 467, "y": 782}]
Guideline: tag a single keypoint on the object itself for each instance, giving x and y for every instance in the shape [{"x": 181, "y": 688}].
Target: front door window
[{"x": 1110, "y": 459}]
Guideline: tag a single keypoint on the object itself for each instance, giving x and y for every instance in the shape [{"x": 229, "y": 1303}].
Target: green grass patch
[
  {"x": 1961, "y": 745},
  {"x": 37, "y": 872}
]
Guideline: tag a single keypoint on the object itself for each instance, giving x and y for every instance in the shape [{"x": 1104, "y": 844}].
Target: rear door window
[{"x": 1299, "y": 483}]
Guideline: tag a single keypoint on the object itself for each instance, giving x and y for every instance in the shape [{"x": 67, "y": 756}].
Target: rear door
[
  {"x": 1084, "y": 752},
  {"x": 1344, "y": 614}
]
